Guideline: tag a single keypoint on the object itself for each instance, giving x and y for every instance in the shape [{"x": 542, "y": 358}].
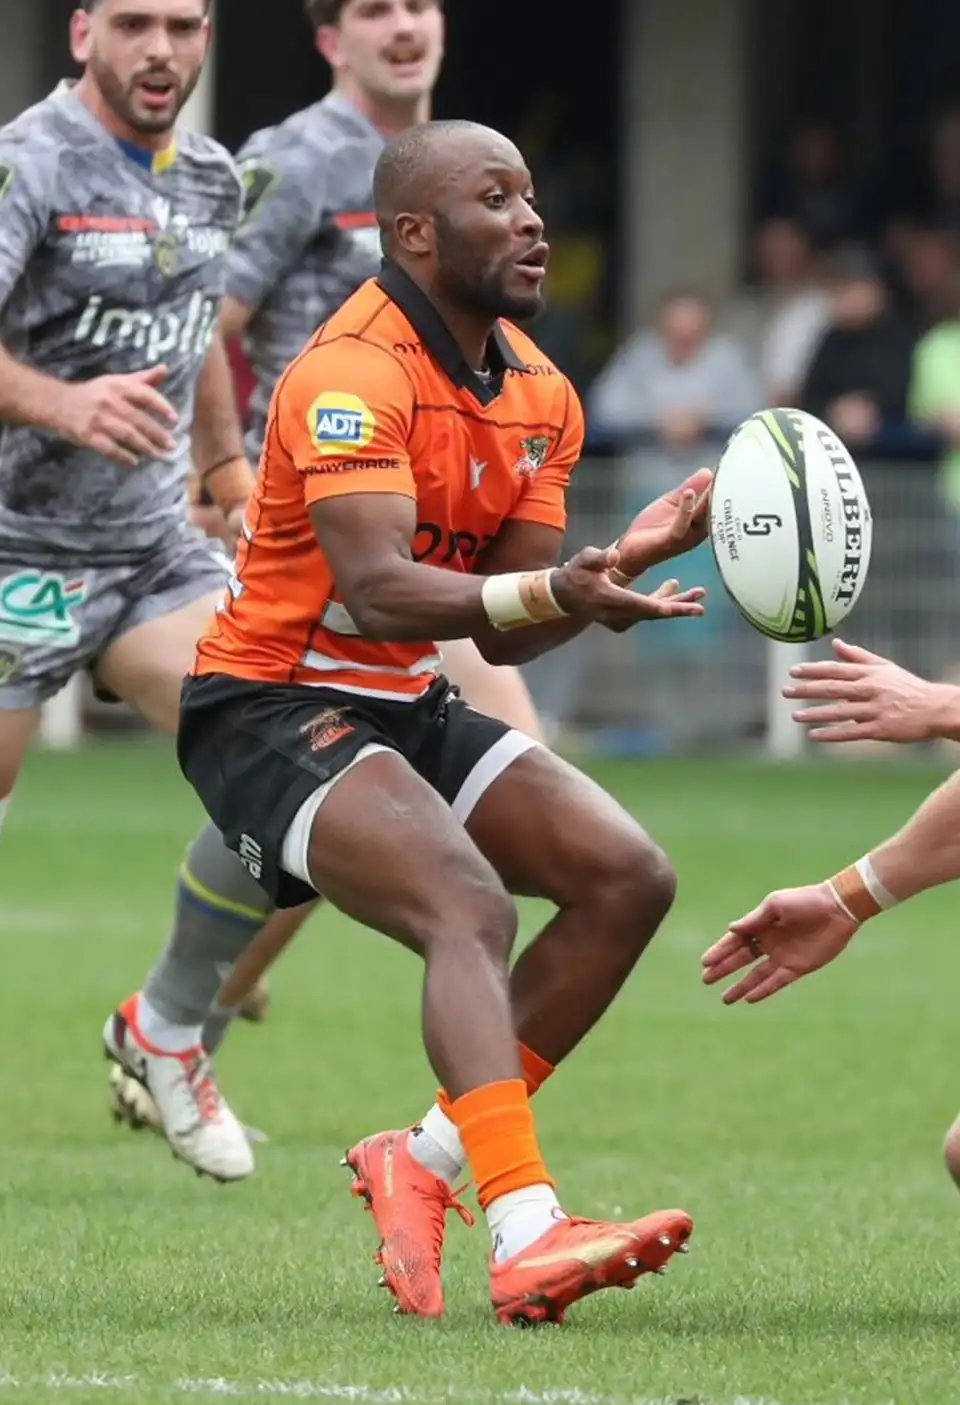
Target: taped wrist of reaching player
[
  {"x": 859, "y": 892},
  {"x": 520, "y": 598}
]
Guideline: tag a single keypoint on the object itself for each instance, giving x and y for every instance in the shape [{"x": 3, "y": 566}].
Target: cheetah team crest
[{"x": 533, "y": 455}]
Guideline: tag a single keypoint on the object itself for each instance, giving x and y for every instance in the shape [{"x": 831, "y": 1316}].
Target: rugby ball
[{"x": 790, "y": 525}]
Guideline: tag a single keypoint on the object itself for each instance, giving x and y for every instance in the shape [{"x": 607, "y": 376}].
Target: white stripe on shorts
[{"x": 491, "y": 765}]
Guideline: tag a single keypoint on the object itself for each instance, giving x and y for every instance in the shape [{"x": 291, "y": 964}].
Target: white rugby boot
[
  {"x": 180, "y": 1098},
  {"x": 131, "y": 1105}
]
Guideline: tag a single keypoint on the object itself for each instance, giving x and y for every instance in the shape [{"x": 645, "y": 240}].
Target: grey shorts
[{"x": 57, "y": 617}]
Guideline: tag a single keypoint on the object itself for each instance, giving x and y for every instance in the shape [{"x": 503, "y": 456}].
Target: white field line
[{"x": 357, "y": 1394}]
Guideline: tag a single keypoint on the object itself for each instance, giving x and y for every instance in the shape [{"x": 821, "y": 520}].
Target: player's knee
[
  {"x": 632, "y": 875},
  {"x": 951, "y": 1152}
]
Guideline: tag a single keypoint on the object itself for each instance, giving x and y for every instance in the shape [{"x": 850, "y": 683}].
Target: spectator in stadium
[
  {"x": 934, "y": 397},
  {"x": 678, "y": 381},
  {"x": 668, "y": 398},
  {"x": 931, "y": 194},
  {"x": 927, "y": 276},
  {"x": 860, "y": 372},
  {"x": 813, "y": 187},
  {"x": 786, "y": 314}
]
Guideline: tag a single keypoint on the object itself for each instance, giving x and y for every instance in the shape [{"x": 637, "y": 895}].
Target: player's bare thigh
[
  {"x": 550, "y": 832},
  {"x": 499, "y": 692},
  {"x": 146, "y": 666}
]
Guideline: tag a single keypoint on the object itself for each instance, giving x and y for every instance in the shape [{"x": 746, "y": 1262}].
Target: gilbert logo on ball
[{"x": 790, "y": 525}]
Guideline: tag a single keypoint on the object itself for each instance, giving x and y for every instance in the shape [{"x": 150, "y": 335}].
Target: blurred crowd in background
[{"x": 850, "y": 308}]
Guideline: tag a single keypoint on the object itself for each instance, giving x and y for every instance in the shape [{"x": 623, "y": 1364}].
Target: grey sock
[{"x": 219, "y": 911}]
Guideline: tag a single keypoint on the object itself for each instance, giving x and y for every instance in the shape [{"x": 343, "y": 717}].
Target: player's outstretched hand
[
  {"x": 583, "y": 587},
  {"x": 791, "y": 934},
  {"x": 865, "y": 697},
  {"x": 124, "y": 418},
  {"x": 675, "y": 523}
]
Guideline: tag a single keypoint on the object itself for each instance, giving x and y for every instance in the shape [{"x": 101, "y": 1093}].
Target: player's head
[
  {"x": 455, "y": 200},
  {"x": 390, "y": 49},
  {"x": 684, "y": 321},
  {"x": 145, "y": 56}
]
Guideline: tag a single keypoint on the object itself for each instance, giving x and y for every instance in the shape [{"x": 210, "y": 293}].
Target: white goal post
[{"x": 785, "y": 740}]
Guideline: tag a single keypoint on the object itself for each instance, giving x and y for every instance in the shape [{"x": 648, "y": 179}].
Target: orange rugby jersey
[{"x": 382, "y": 401}]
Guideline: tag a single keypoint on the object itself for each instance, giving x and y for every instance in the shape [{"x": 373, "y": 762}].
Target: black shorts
[{"x": 256, "y": 752}]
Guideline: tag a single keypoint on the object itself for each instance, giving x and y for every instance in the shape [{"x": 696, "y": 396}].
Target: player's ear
[
  {"x": 329, "y": 47},
  {"x": 80, "y": 42},
  {"x": 415, "y": 234}
]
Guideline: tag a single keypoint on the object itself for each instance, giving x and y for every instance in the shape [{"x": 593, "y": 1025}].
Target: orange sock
[
  {"x": 536, "y": 1071},
  {"x": 500, "y": 1139}
]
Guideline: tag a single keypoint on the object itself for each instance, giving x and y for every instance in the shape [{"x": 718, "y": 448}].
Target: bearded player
[{"x": 113, "y": 240}]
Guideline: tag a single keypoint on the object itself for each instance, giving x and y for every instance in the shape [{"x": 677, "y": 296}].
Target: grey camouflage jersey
[
  {"x": 308, "y": 237},
  {"x": 106, "y": 267}
]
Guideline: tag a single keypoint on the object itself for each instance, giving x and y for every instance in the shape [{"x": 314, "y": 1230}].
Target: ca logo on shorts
[
  {"x": 38, "y": 607},
  {"x": 340, "y": 424}
]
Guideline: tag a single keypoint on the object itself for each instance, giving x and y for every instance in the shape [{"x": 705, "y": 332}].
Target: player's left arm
[
  {"x": 799, "y": 930},
  {"x": 219, "y": 457}
]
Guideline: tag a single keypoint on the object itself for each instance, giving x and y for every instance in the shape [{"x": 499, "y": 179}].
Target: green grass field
[{"x": 803, "y": 1137}]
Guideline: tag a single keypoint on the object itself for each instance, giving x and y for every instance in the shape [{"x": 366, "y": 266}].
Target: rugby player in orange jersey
[
  {"x": 307, "y": 240},
  {"x": 412, "y": 490}
]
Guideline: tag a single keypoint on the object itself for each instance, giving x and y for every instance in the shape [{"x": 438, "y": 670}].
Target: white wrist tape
[
  {"x": 881, "y": 895},
  {"x": 859, "y": 891},
  {"x": 520, "y": 598}
]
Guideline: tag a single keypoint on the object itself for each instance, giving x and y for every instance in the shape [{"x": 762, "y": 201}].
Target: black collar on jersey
[{"x": 440, "y": 341}]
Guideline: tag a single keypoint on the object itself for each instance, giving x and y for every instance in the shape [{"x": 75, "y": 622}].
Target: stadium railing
[{"x": 685, "y": 686}]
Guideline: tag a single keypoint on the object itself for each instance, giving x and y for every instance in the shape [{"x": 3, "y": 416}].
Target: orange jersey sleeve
[
  {"x": 544, "y": 499},
  {"x": 344, "y": 417}
]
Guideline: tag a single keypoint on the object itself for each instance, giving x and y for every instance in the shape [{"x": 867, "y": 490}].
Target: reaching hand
[
  {"x": 674, "y": 524},
  {"x": 791, "y": 934},
  {"x": 584, "y": 588},
  {"x": 866, "y": 698}
]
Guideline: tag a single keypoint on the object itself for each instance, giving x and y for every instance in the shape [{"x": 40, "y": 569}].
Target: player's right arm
[
  {"x": 283, "y": 204},
  {"x": 361, "y": 493},
  {"x": 862, "y": 696},
  {"x": 798, "y": 930},
  {"x": 120, "y": 417}
]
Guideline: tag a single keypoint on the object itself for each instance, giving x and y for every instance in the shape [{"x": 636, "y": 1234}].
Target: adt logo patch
[{"x": 340, "y": 424}]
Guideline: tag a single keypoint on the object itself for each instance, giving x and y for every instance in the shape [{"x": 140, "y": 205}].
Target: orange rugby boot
[
  {"x": 578, "y": 1257},
  {"x": 409, "y": 1208}
]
